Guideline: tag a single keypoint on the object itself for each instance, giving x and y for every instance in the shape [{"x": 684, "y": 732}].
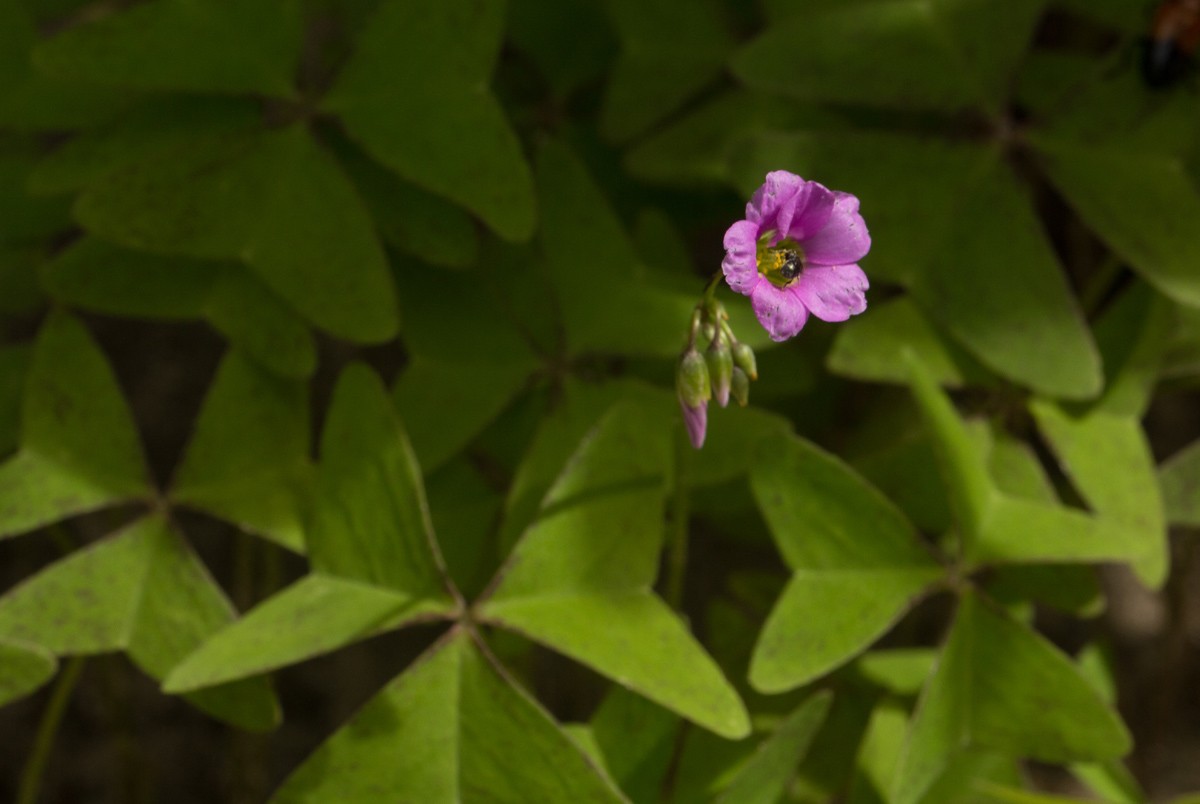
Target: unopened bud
[
  {"x": 691, "y": 379},
  {"x": 696, "y": 420},
  {"x": 743, "y": 356},
  {"x": 739, "y": 384},
  {"x": 720, "y": 368}
]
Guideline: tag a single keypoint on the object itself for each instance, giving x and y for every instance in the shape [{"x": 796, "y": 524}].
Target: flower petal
[
  {"x": 779, "y": 190},
  {"x": 832, "y": 292},
  {"x": 741, "y": 263},
  {"x": 779, "y": 310},
  {"x": 814, "y": 205},
  {"x": 696, "y": 420},
  {"x": 844, "y": 238}
]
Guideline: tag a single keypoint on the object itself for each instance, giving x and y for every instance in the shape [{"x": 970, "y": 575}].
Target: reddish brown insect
[{"x": 1172, "y": 44}]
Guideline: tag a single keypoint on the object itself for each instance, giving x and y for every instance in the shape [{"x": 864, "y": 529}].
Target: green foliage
[{"x": 510, "y": 209}]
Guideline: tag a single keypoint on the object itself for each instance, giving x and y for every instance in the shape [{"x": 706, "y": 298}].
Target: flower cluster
[{"x": 795, "y": 253}]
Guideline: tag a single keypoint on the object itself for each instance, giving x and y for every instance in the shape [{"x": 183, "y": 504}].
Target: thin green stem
[
  {"x": 35, "y": 766},
  {"x": 678, "y": 541}
]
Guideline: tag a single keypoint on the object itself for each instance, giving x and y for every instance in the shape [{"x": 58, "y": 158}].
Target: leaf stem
[
  {"x": 678, "y": 535},
  {"x": 35, "y": 766}
]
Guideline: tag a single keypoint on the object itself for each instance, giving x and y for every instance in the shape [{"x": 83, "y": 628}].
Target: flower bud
[
  {"x": 743, "y": 356},
  {"x": 720, "y": 368},
  {"x": 695, "y": 417},
  {"x": 691, "y": 379},
  {"x": 739, "y": 384}
]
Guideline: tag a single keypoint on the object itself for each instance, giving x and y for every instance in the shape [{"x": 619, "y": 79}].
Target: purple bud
[{"x": 696, "y": 419}]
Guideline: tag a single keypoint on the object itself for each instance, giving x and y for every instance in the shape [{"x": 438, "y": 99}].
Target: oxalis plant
[{"x": 473, "y": 272}]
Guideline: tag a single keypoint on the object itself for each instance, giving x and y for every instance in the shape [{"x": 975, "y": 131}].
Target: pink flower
[{"x": 796, "y": 253}]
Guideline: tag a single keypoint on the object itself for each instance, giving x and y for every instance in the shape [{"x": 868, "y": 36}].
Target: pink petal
[
  {"x": 740, "y": 264},
  {"x": 779, "y": 190},
  {"x": 696, "y": 420},
  {"x": 779, "y": 310},
  {"x": 814, "y": 205},
  {"x": 832, "y": 292},
  {"x": 843, "y": 240}
]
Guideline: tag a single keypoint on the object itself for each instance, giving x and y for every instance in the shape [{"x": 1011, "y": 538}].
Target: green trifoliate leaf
[
  {"x": 79, "y": 448},
  {"x": 843, "y": 541},
  {"x": 273, "y": 200},
  {"x": 580, "y": 579},
  {"x": 765, "y": 776},
  {"x": 636, "y": 739},
  {"x": 225, "y": 46},
  {"x": 248, "y": 459},
  {"x": 998, "y": 685},
  {"x": 432, "y": 736},
  {"x": 414, "y": 95},
  {"x": 142, "y": 591}
]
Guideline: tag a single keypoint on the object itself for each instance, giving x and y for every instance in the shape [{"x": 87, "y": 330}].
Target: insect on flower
[
  {"x": 1168, "y": 51},
  {"x": 796, "y": 253}
]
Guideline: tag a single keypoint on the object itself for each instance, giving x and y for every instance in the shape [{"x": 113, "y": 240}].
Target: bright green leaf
[
  {"x": 1180, "y": 481},
  {"x": 1132, "y": 333},
  {"x": 414, "y": 95},
  {"x": 432, "y": 735},
  {"x": 764, "y": 777},
  {"x": 79, "y": 445},
  {"x": 998, "y": 685},
  {"x": 579, "y": 580},
  {"x": 143, "y": 591},
  {"x": 637, "y": 740},
  {"x": 23, "y": 668},
  {"x": 248, "y": 459},
  {"x": 900, "y": 670},
  {"x": 225, "y": 46},
  {"x": 274, "y": 200},
  {"x": 843, "y": 541}
]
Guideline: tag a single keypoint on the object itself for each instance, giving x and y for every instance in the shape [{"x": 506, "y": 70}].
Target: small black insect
[
  {"x": 1168, "y": 51},
  {"x": 790, "y": 267}
]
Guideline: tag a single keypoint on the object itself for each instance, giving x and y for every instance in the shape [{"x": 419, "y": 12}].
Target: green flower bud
[
  {"x": 739, "y": 385},
  {"x": 743, "y": 355},
  {"x": 720, "y": 368},
  {"x": 691, "y": 378}
]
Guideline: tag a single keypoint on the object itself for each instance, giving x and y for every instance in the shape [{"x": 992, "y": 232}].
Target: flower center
[{"x": 781, "y": 263}]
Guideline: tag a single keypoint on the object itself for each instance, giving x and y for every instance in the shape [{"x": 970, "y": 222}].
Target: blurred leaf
[
  {"x": 997, "y": 527},
  {"x": 432, "y": 735},
  {"x": 1182, "y": 358},
  {"x": 243, "y": 309},
  {"x": 1143, "y": 205},
  {"x": 663, "y": 249},
  {"x": 14, "y": 367},
  {"x": 867, "y": 347},
  {"x": 1179, "y": 478},
  {"x": 579, "y": 580},
  {"x": 1132, "y": 335},
  {"x": 1014, "y": 466},
  {"x": 571, "y": 41},
  {"x": 1127, "y": 17},
  {"x": 1071, "y": 588},
  {"x": 408, "y": 218},
  {"x": 764, "y": 777},
  {"x": 637, "y": 739},
  {"x": 97, "y": 276},
  {"x": 248, "y": 459},
  {"x": 224, "y": 46},
  {"x": 275, "y": 200},
  {"x": 669, "y": 51},
  {"x": 843, "y": 541},
  {"x": 707, "y": 764},
  {"x": 1000, "y": 686},
  {"x": 79, "y": 445},
  {"x": 881, "y": 746},
  {"x": 929, "y": 54},
  {"x": 315, "y": 615},
  {"x": 143, "y": 591},
  {"x": 1110, "y": 781},
  {"x": 828, "y": 768},
  {"x": 1048, "y": 79},
  {"x": 30, "y": 100},
  {"x": 900, "y": 670},
  {"x": 469, "y": 361},
  {"x": 370, "y": 521},
  {"x": 1108, "y": 459},
  {"x": 26, "y": 219},
  {"x": 23, "y": 668},
  {"x": 19, "y": 290},
  {"x": 413, "y": 95},
  {"x": 155, "y": 126},
  {"x": 907, "y": 472}
]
